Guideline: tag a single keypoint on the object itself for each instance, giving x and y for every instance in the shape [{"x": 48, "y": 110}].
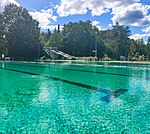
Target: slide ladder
[{"x": 50, "y": 53}]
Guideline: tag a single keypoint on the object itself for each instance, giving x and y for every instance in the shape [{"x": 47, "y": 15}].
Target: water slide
[{"x": 54, "y": 53}]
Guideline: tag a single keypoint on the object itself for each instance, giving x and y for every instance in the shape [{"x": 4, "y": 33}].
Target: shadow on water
[{"x": 112, "y": 95}]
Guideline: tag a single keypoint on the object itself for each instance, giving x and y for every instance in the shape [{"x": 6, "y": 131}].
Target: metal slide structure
[{"x": 54, "y": 53}]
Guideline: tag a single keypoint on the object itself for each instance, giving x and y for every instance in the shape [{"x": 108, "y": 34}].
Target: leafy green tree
[
  {"x": 55, "y": 40},
  {"x": 22, "y": 32},
  {"x": 43, "y": 38},
  {"x": 116, "y": 41},
  {"x": 3, "y": 41},
  {"x": 142, "y": 48},
  {"x": 58, "y": 30},
  {"x": 79, "y": 39},
  {"x": 122, "y": 43},
  {"x": 148, "y": 41},
  {"x": 48, "y": 33},
  {"x": 132, "y": 49},
  {"x": 109, "y": 41}
]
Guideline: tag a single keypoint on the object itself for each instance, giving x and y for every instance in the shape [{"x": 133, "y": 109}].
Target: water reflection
[
  {"x": 16, "y": 94},
  {"x": 143, "y": 83},
  {"x": 44, "y": 94}
]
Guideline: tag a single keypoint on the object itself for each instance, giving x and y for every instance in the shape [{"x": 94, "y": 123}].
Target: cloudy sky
[{"x": 102, "y": 13}]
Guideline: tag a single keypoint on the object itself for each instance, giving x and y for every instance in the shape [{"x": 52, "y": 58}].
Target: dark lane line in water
[
  {"x": 97, "y": 72},
  {"x": 110, "y": 95}
]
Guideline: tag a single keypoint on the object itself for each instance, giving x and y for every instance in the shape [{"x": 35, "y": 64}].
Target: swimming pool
[{"x": 74, "y": 97}]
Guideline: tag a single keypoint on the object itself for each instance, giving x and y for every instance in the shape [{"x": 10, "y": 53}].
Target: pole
[
  {"x": 96, "y": 45},
  {"x": 39, "y": 52}
]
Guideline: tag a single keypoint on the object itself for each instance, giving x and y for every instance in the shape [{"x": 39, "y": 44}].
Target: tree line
[
  {"x": 81, "y": 39},
  {"x": 20, "y": 37},
  {"x": 19, "y": 33}
]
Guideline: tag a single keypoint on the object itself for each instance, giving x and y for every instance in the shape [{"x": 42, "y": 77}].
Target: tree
[
  {"x": 141, "y": 47},
  {"x": 79, "y": 38},
  {"x": 55, "y": 40},
  {"x": 48, "y": 34},
  {"x": 22, "y": 32},
  {"x": 58, "y": 30},
  {"x": 109, "y": 42},
  {"x": 43, "y": 38},
  {"x": 122, "y": 34},
  {"x": 148, "y": 41},
  {"x": 116, "y": 41},
  {"x": 132, "y": 49},
  {"x": 3, "y": 41}
]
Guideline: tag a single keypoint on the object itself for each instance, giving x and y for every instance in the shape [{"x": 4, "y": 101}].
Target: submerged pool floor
[{"x": 74, "y": 98}]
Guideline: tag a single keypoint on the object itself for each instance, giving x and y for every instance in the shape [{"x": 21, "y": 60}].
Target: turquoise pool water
[{"x": 74, "y": 97}]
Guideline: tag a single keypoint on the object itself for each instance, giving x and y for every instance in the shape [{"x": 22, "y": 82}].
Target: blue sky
[{"x": 102, "y": 13}]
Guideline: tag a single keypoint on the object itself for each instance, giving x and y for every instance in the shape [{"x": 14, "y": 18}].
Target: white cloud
[
  {"x": 146, "y": 30},
  {"x": 71, "y": 7},
  {"x": 100, "y": 28},
  {"x": 135, "y": 15},
  {"x": 3, "y": 3},
  {"x": 110, "y": 25},
  {"x": 140, "y": 36},
  {"x": 45, "y": 17},
  {"x": 126, "y": 12},
  {"x": 97, "y": 7},
  {"x": 94, "y": 23},
  {"x": 147, "y": 6}
]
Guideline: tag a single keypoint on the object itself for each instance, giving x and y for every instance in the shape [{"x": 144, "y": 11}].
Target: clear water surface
[{"x": 78, "y": 98}]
